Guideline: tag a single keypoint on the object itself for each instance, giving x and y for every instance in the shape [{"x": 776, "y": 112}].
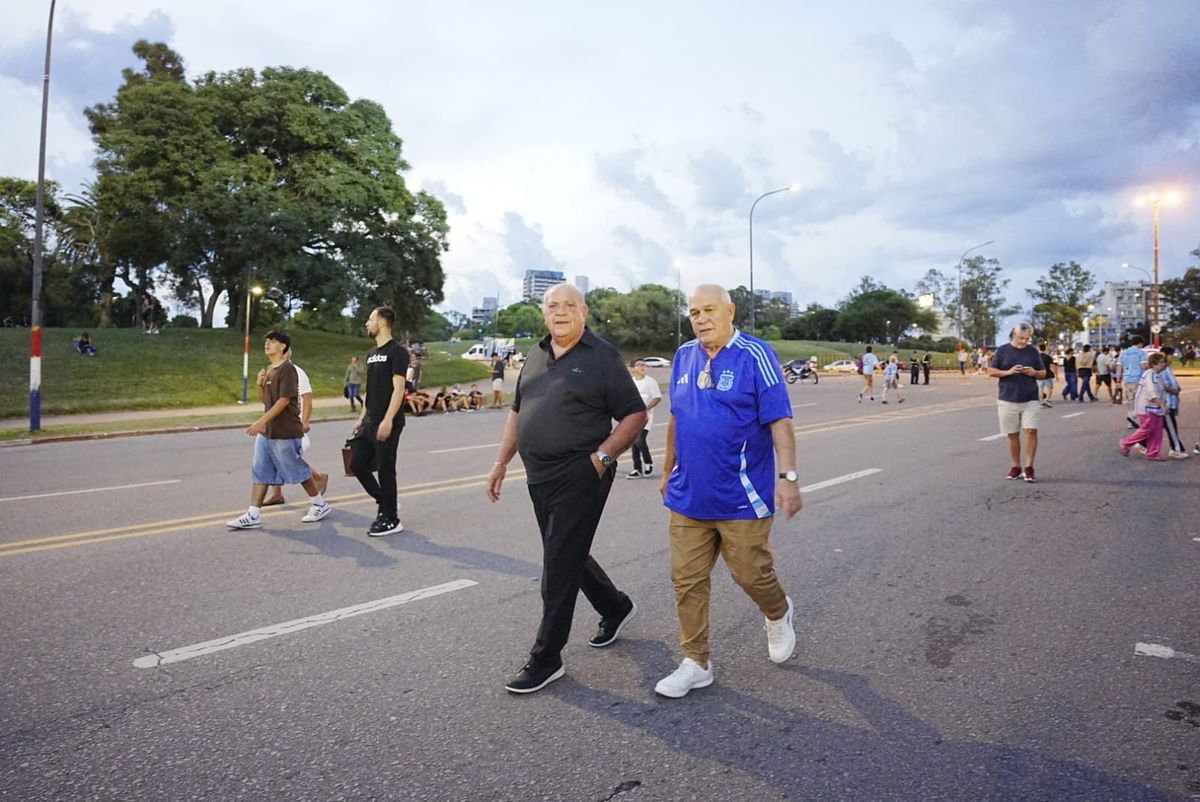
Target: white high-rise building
[
  {"x": 1124, "y": 305},
  {"x": 538, "y": 281},
  {"x": 582, "y": 283}
]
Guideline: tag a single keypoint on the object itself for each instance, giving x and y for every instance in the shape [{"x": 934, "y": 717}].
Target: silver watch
[
  {"x": 791, "y": 476},
  {"x": 605, "y": 460}
]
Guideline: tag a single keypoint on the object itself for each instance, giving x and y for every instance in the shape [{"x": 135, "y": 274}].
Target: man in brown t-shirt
[{"x": 277, "y": 434}]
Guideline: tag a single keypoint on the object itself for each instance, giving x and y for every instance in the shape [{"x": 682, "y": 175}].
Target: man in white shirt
[
  {"x": 869, "y": 361},
  {"x": 275, "y": 492},
  {"x": 647, "y": 387}
]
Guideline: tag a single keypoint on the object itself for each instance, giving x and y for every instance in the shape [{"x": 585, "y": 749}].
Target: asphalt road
[{"x": 961, "y": 637}]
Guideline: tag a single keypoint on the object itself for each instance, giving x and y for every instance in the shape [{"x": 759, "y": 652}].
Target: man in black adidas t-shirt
[{"x": 377, "y": 433}]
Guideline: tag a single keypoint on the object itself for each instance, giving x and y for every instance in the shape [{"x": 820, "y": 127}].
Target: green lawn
[{"x": 178, "y": 368}]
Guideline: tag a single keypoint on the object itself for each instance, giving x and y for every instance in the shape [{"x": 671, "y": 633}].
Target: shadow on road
[
  {"x": 806, "y": 757},
  {"x": 464, "y": 556},
  {"x": 326, "y": 541}
]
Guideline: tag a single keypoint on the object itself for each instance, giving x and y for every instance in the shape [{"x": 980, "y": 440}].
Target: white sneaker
[
  {"x": 689, "y": 675},
  {"x": 1178, "y": 454},
  {"x": 316, "y": 513},
  {"x": 1139, "y": 448},
  {"x": 781, "y": 638},
  {"x": 245, "y": 522}
]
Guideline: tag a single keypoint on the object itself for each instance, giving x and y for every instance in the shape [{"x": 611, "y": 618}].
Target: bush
[{"x": 185, "y": 322}]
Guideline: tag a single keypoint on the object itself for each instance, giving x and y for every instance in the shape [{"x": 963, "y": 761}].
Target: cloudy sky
[{"x": 617, "y": 140}]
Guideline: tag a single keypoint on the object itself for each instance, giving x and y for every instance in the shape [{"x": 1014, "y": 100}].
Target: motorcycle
[{"x": 795, "y": 371}]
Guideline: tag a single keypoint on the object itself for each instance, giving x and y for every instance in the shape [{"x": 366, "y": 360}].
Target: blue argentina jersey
[{"x": 724, "y": 454}]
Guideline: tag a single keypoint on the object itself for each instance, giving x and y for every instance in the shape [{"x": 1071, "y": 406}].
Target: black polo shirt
[{"x": 567, "y": 405}]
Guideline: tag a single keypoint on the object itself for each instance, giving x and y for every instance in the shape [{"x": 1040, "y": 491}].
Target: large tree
[
  {"x": 276, "y": 178},
  {"x": 1062, "y": 297},
  {"x": 1183, "y": 294},
  {"x": 983, "y": 302},
  {"x": 876, "y": 312}
]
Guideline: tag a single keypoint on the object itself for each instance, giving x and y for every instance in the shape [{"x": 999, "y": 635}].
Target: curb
[{"x": 76, "y": 438}]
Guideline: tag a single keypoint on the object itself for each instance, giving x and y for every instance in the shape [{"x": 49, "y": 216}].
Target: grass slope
[{"x": 178, "y": 368}]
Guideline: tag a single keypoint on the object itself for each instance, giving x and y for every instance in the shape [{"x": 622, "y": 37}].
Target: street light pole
[
  {"x": 789, "y": 188},
  {"x": 1157, "y": 322},
  {"x": 250, "y": 290},
  {"x": 35, "y": 319},
  {"x": 960, "y": 292},
  {"x": 678, "y": 298}
]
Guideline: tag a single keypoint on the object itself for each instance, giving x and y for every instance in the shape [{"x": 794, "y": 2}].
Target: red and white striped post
[
  {"x": 35, "y": 378},
  {"x": 35, "y": 320}
]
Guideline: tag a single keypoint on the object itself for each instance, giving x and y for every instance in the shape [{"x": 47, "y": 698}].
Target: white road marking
[
  {"x": 1073, "y": 415},
  {"x": 244, "y": 638},
  {"x": 94, "y": 490},
  {"x": 797, "y": 406},
  {"x": 992, "y": 437},
  {"x": 1165, "y": 652},
  {"x": 850, "y": 477},
  {"x": 464, "y": 448}
]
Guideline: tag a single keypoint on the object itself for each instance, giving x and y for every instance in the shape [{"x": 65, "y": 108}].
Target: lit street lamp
[
  {"x": 960, "y": 292},
  {"x": 789, "y": 188},
  {"x": 256, "y": 291},
  {"x": 35, "y": 317},
  {"x": 1155, "y": 199}
]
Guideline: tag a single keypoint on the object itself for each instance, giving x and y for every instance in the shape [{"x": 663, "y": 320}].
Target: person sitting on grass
[
  {"x": 85, "y": 346},
  {"x": 475, "y": 398},
  {"x": 441, "y": 401}
]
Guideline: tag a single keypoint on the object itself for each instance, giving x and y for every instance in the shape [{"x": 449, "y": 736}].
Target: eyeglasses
[{"x": 704, "y": 380}]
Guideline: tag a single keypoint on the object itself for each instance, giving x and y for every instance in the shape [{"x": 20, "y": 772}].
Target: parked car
[
  {"x": 843, "y": 366},
  {"x": 656, "y": 362}
]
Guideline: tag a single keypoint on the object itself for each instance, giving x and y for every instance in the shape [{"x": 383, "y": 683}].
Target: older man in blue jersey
[{"x": 730, "y": 419}]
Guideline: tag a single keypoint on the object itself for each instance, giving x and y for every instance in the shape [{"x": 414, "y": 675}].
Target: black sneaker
[
  {"x": 634, "y": 474},
  {"x": 610, "y": 628},
  {"x": 385, "y": 526},
  {"x": 535, "y": 676}
]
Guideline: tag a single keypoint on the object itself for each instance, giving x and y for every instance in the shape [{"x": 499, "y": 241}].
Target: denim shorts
[{"x": 279, "y": 462}]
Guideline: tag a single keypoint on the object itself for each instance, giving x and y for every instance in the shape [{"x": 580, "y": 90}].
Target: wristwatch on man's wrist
[
  {"x": 605, "y": 460},
  {"x": 791, "y": 476}
]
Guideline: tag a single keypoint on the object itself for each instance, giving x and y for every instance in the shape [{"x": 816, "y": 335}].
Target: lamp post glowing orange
[
  {"x": 254, "y": 290},
  {"x": 1157, "y": 199}
]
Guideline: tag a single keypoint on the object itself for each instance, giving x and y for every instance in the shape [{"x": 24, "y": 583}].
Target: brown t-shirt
[{"x": 282, "y": 382}]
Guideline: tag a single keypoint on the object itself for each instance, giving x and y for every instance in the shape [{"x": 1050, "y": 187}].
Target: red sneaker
[
  {"x": 1015, "y": 473},
  {"x": 1028, "y": 477}
]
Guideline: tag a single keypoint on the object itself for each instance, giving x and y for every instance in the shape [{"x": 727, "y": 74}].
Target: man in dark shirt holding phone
[{"x": 1018, "y": 366}]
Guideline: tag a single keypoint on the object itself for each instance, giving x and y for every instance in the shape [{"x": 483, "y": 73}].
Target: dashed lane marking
[
  {"x": 850, "y": 477},
  {"x": 92, "y": 490},
  {"x": 1165, "y": 652},
  {"x": 1073, "y": 415},
  {"x": 992, "y": 437},
  {"x": 464, "y": 448},
  {"x": 253, "y": 636}
]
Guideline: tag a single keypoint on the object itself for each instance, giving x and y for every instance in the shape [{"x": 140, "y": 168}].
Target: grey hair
[{"x": 1024, "y": 325}]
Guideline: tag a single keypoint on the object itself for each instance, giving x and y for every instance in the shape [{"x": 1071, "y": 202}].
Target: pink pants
[{"x": 1149, "y": 433}]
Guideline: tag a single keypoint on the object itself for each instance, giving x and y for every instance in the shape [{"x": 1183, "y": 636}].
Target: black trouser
[
  {"x": 925, "y": 368},
  {"x": 1085, "y": 383},
  {"x": 1171, "y": 426},
  {"x": 568, "y": 509},
  {"x": 641, "y": 452},
  {"x": 914, "y": 373},
  {"x": 368, "y": 455}
]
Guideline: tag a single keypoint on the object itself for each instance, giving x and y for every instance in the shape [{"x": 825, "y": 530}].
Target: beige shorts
[
  {"x": 1014, "y": 417},
  {"x": 497, "y": 385}
]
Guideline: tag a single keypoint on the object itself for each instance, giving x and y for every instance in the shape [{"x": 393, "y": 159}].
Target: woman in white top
[{"x": 651, "y": 396}]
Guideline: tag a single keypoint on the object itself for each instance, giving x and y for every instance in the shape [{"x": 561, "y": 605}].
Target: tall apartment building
[
  {"x": 1125, "y": 304},
  {"x": 483, "y": 315},
  {"x": 538, "y": 281},
  {"x": 582, "y": 283}
]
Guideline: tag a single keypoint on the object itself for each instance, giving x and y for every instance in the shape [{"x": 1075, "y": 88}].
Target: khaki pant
[{"x": 694, "y": 548}]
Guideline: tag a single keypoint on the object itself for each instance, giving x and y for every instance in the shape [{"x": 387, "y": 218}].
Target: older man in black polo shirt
[{"x": 572, "y": 386}]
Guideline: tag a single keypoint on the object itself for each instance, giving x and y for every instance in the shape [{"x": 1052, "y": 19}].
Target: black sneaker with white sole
[
  {"x": 384, "y": 525},
  {"x": 634, "y": 474},
  {"x": 535, "y": 675},
  {"x": 610, "y": 628}
]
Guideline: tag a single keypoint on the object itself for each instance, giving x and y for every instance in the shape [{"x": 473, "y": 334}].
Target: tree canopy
[{"x": 274, "y": 177}]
